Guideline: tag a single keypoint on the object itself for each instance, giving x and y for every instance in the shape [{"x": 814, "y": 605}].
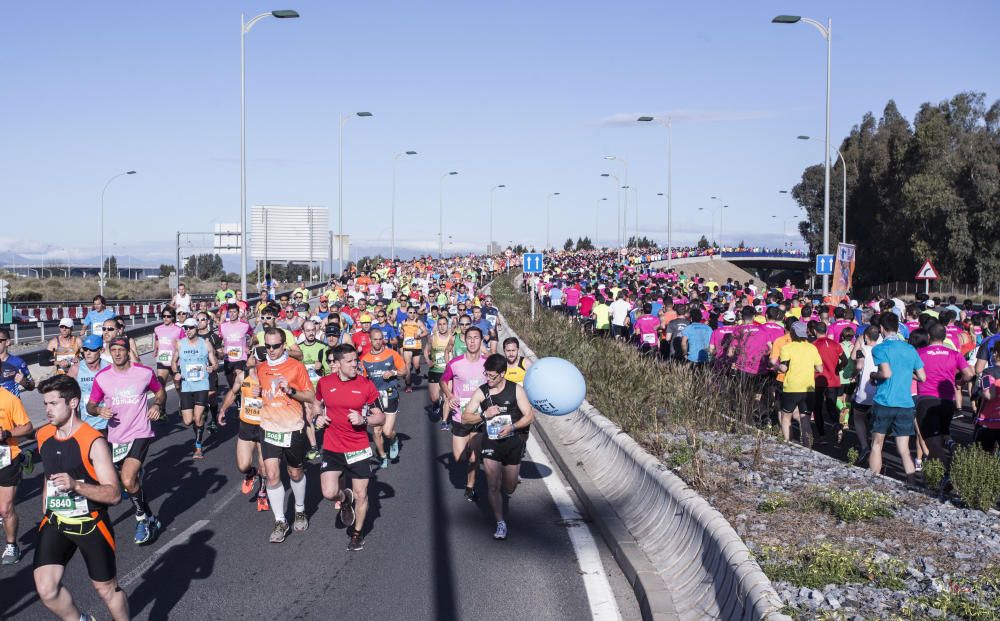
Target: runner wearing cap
[
  {"x": 64, "y": 347},
  {"x": 133, "y": 349},
  {"x": 361, "y": 340},
  {"x": 83, "y": 372},
  {"x": 119, "y": 395},
  {"x": 193, "y": 362}
]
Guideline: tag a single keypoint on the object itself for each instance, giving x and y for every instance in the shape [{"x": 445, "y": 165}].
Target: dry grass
[{"x": 83, "y": 289}]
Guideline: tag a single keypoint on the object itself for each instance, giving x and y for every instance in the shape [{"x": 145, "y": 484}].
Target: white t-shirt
[
  {"x": 182, "y": 301},
  {"x": 619, "y": 311}
]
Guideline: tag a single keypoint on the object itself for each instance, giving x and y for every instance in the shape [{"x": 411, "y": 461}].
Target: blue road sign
[
  {"x": 824, "y": 264},
  {"x": 531, "y": 263}
]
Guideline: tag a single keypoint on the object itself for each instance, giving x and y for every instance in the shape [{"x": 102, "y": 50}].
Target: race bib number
[
  {"x": 649, "y": 338},
  {"x": 353, "y": 457},
  {"x": 495, "y": 424},
  {"x": 313, "y": 374},
  {"x": 5, "y": 458},
  {"x": 164, "y": 357},
  {"x": 251, "y": 408},
  {"x": 409, "y": 342},
  {"x": 234, "y": 353},
  {"x": 492, "y": 319},
  {"x": 439, "y": 360},
  {"x": 119, "y": 451},
  {"x": 65, "y": 358},
  {"x": 65, "y": 505},
  {"x": 284, "y": 440},
  {"x": 194, "y": 372}
]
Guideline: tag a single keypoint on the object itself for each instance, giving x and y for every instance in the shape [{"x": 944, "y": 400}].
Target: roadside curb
[{"x": 681, "y": 556}]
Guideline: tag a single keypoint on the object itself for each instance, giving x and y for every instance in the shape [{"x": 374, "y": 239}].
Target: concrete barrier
[{"x": 682, "y": 557}]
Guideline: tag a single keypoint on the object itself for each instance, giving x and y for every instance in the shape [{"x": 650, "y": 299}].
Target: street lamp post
[
  {"x": 624, "y": 210},
  {"x": 597, "y": 221},
  {"x": 340, "y": 187},
  {"x": 548, "y": 217},
  {"x": 843, "y": 164},
  {"x": 100, "y": 271},
  {"x": 441, "y": 213},
  {"x": 245, "y": 27},
  {"x": 827, "y": 33},
  {"x": 392, "y": 243},
  {"x": 493, "y": 190},
  {"x": 618, "y": 212},
  {"x": 670, "y": 184}
]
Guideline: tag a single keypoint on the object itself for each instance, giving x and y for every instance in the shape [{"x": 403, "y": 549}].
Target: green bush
[
  {"x": 933, "y": 473},
  {"x": 852, "y": 456},
  {"x": 858, "y": 505},
  {"x": 976, "y": 477},
  {"x": 679, "y": 453},
  {"x": 772, "y": 502},
  {"x": 815, "y": 567}
]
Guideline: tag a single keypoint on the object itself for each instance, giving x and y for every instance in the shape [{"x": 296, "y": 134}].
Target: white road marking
[{"x": 603, "y": 605}]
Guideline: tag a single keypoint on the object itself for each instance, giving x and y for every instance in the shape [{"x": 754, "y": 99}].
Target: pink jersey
[
  {"x": 718, "y": 335},
  {"x": 646, "y": 327},
  {"x": 833, "y": 333},
  {"x": 166, "y": 342},
  {"x": 234, "y": 339},
  {"x": 912, "y": 325},
  {"x": 466, "y": 377},
  {"x": 125, "y": 393},
  {"x": 941, "y": 364},
  {"x": 572, "y": 296},
  {"x": 953, "y": 333},
  {"x": 755, "y": 345}
]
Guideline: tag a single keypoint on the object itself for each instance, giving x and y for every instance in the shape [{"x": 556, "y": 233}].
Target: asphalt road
[{"x": 429, "y": 554}]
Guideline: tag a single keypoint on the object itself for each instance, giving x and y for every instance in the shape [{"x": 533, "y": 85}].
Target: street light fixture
[
  {"x": 441, "y": 214},
  {"x": 624, "y": 207},
  {"x": 392, "y": 243},
  {"x": 101, "y": 268},
  {"x": 245, "y": 27},
  {"x": 843, "y": 163},
  {"x": 670, "y": 184},
  {"x": 340, "y": 186},
  {"x": 827, "y": 34},
  {"x": 489, "y": 250},
  {"x": 548, "y": 217}
]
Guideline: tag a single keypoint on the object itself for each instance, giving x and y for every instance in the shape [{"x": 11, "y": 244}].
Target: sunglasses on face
[
  {"x": 65, "y": 328},
  {"x": 190, "y": 327},
  {"x": 202, "y": 321},
  {"x": 108, "y": 329},
  {"x": 91, "y": 350},
  {"x": 464, "y": 324},
  {"x": 168, "y": 316},
  {"x": 493, "y": 376},
  {"x": 275, "y": 346}
]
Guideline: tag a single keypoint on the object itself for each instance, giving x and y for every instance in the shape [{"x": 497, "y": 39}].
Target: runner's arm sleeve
[{"x": 96, "y": 392}]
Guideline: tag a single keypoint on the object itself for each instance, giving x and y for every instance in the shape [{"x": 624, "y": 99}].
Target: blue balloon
[{"x": 555, "y": 386}]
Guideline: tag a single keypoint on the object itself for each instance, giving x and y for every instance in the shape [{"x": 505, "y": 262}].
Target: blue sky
[{"x": 525, "y": 94}]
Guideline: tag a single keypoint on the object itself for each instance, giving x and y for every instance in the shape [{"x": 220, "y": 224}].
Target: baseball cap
[
  {"x": 118, "y": 341},
  {"x": 332, "y": 329},
  {"x": 366, "y": 318},
  {"x": 929, "y": 303},
  {"x": 66, "y": 321},
  {"x": 190, "y": 322},
  {"x": 93, "y": 342},
  {"x": 854, "y": 303},
  {"x": 184, "y": 309},
  {"x": 729, "y": 316},
  {"x": 799, "y": 329}
]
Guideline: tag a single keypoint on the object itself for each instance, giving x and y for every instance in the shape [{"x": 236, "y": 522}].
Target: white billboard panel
[
  {"x": 286, "y": 233},
  {"x": 226, "y": 239}
]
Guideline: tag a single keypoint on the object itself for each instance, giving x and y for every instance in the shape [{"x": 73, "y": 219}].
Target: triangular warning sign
[{"x": 927, "y": 272}]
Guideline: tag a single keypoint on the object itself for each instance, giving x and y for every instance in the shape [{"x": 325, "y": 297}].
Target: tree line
[{"x": 929, "y": 189}]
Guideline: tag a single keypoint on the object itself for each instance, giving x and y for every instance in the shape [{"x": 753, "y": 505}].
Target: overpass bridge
[{"x": 768, "y": 267}]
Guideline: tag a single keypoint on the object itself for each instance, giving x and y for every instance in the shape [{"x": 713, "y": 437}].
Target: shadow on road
[{"x": 168, "y": 580}]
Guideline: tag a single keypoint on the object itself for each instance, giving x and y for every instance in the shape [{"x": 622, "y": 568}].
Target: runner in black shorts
[
  {"x": 80, "y": 485},
  {"x": 506, "y": 413}
]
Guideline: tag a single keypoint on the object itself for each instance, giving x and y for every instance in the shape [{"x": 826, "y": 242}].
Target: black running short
[
  {"x": 434, "y": 377},
  {"x": 191, "y": 399},
  {"x": 337, "y": 462},
  {"x": 508, "y": 451},
  {"x": 164, "y": 367},
  {"x": 801, "y": 400},
  {"x": 232, "y": 366},
  {"x": 248, "y": 432},
  {"x": 390, "y": 406},
  {"x": 462, "y": 430},
  {"x": 140, "y": 446},
  {"x": 294, "y": 454},
  {"x": 934, "y": 416},
  {"x": 11, "y": 475},
  {"x": 95, "y": 538}
]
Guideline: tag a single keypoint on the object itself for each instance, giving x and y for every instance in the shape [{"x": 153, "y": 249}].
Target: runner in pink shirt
[
  {"x": 236, "y": 335},
  {"x": 460, "y": 380},
  {"x": 646, "y": 326},
  {"x": 165, "y": 339},
  {"x": 753, "y": 352},
  {"x": 936, "y": 395}
]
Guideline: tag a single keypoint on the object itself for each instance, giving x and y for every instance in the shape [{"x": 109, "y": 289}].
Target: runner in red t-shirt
[
  {"x": 351, "y": 406},
  {"x": 828, "y": 388}
]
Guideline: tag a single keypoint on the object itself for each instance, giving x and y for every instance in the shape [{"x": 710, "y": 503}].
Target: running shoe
[
  {"x": 444, "y": 426},
  {"x": 408, "y": 389},
  {"x": 418, "y": 379},
  {"x": 146, "y": 530},
  {"x": 501, "y": 532},
  {"x": 11, "y": 554},
  {"x": 210, "y": 425},
  {"x": 471, "y": 495},
  {"x": 263, "y": 504},
  {"x": 347, "y": 508},
  {"x": 384, "y": 463},
  {"x": 301, "y": 522},
  {"x": 394, "y": 449},
  {"x": 249, "y": 481},
  {"x": 357, "y": 542},
  {"x": 918, "y": 465},
  {"x": 279, "y": 532},
  {"x": 313, "y": 453},
  {"x": 198, "y": 453}
]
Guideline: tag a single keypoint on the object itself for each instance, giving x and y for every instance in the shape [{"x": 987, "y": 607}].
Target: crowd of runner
[
  {"x": 824, "y": 365},
  {"x": 312, "y": 379}
]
